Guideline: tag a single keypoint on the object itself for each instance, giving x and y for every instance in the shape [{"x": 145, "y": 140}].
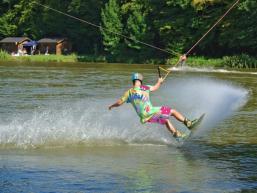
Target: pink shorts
[{"x": 161, "y": 116}]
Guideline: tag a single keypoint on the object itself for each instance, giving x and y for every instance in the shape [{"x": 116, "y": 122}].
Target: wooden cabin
[
  {"x": 56, "y": 46},
  {"x": 13, "y": 44}
]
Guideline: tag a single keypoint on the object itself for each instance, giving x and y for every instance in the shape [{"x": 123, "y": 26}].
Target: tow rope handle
[
  {"x": 159, "y": 72},
  {"x": 165, "y": 70}
]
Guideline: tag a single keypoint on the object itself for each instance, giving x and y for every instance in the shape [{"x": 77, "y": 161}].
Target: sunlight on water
[
  {"x": 57, "y": 135},
  {"x": 202, "y": 69}
]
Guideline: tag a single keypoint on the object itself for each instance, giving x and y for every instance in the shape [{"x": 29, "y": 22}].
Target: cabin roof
[
  {"x": 30, "y": 43},
  {"x": 14, "y": 40},
  {"x": 51, "y": 40}
]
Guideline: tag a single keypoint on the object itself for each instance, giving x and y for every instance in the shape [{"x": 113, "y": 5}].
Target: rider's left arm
[{"x": 157, "y": 85}]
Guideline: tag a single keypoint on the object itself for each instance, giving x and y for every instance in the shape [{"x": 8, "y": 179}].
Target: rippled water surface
[{"x": 57, "y": 135}]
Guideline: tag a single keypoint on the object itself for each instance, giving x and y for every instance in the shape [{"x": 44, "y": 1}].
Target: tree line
[{"x": 174, "y": 25}]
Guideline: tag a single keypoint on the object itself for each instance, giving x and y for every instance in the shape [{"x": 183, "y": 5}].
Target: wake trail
[{"x": 89, "y": 122}]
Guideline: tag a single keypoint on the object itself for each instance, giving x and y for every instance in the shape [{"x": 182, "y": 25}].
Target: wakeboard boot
[
  {"x": 190, "y": 124},
  {"x": 179, "y": 136}
]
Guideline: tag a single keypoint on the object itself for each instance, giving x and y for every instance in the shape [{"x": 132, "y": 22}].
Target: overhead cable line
[
  {"x": 110, "y": 31},
  {"x": 144, "y": 43},
  {"x": 215, "y": 24}
]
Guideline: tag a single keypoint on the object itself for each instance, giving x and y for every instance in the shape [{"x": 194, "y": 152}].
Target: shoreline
[{"x": 233, "y": 62}]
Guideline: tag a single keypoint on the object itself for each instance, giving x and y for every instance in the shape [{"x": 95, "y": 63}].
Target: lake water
[{"x": 57, "y": 135}]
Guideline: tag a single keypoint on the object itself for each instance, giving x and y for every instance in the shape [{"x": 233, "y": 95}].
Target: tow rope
[
  {"x": 172, "y": 52},
  {"x": 190, "y": 50}
]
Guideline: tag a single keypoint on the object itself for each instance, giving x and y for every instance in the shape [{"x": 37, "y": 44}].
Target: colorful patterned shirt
[{"x": 140, "y": 100}]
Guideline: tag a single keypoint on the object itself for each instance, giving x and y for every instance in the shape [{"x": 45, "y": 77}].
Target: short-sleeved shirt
[{"x": 139, "y": 97}]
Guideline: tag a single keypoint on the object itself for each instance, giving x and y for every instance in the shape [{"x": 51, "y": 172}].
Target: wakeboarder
[{"x": 139, "y": 97}]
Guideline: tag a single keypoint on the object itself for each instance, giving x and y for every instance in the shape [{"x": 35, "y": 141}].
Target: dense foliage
[
  {"x": 239, "y": 61},
  {"x": 169, "y": 24}
]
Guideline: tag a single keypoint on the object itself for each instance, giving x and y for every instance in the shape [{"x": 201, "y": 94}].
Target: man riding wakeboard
[{"x": 139, "y": 97}]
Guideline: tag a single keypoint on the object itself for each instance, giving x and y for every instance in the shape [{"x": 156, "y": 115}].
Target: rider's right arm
[
  {"x": 117, "y": 104},
  {"x": 125, "y": 97},
  {"x": 120, "y": 101}
]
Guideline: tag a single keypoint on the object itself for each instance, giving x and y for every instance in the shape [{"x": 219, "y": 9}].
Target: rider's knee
[
  {"x": 173, "y": 111},
  {"x": 166, "y": 121}
]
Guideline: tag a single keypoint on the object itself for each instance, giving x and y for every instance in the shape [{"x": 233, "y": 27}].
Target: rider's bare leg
[
  {"x": 177, "y": 115},
  {"x": 181, "y": 118},
  {"x": 172, "y": 129}
]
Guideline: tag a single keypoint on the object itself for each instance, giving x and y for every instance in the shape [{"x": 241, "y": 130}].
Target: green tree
[
  {"x": 169, "y": 24},
  {"x": 206, "y": 14},
  {"x": 172, "y": 21},
  {"x": 85, "y": 38},
  {"x": 239, "y": 30},
  {"x": 55, "y": 24},
  {"x": 134, "y": 15},
  {"x": 7, "y": 28},
  {"x": 136, "y": 27},
  {"x": 111, "y": 22},
  {"x": 20, "y": 19}
]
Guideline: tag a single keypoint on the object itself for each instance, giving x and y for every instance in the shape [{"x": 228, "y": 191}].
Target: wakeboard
[{"x": 196, "y": 123}]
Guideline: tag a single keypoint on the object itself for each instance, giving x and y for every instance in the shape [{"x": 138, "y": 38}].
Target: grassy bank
[
  {"x": 199, "y": 62},
  {"x": 51, "y": 58},
  {"x": 38, "y": 58},
  {"x": 48, "y": 58},
  {"x": 240, "y": 61}
]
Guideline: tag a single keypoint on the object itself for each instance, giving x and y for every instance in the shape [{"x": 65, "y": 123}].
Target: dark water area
[{"x": 57, "y": 135}]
